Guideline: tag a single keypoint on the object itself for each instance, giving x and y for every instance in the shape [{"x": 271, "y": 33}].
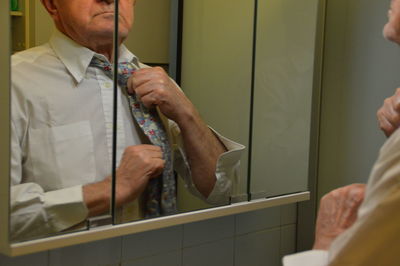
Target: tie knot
[
  {"x": 101, "y": 63},
  {"x": 125, "y": 69}
]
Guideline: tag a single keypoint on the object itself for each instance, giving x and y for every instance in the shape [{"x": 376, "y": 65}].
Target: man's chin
[
  {"x": 103, "y": 29},
  {"x": 106, "y": 16}
]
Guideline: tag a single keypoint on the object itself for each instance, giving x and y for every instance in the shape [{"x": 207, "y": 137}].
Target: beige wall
[
  {"x": 149, "y": 39},
  {"x": 43, "y": 24},
  {"x": 360, "y": 70}
]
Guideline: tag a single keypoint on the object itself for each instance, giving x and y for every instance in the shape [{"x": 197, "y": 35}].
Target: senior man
[
  {"x": 62, "y": 129},
  {"x": 351, "y": 229}
]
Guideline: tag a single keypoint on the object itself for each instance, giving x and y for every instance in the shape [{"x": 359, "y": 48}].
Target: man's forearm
[
  {"x": 202, "y": 149},
  {"x": 97, "y": 197}
]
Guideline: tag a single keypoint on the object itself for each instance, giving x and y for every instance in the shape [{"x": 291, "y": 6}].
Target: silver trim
[
  {"x": 146, "y": 225},
  {"x": 259, "y": 195},
  {"x": 239, "y": 198}
]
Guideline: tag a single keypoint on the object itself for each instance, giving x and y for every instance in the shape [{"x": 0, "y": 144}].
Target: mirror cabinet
[{"x": 248, "y": 66}]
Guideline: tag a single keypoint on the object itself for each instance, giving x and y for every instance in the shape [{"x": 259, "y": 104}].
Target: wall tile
[
  {"x": 288, "y": 239},
  {"x": 165, "y": 259},
  {"x": 218, "y": 253},
  {"x": 37, "y": 259},
  {"x": 258, "y": 249},
  {"x": 104, "y": 252},
  {"x": 150, "y": 243},
  {"x": 257, "y": 220},
  {"x": 208, "y": 231}
]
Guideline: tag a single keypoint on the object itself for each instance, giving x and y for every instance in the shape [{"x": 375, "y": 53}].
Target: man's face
[
  {"x": 391, "y": 31},
  {"x": 92, "y": 19}
]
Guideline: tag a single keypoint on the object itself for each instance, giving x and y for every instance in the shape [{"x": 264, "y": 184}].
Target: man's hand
[
  {"x": 389, "y": 114},
  {"x": 155, "y": 88},
  {"x": 138, "y": 165},
  {"x": 202, "y": 148},
  {"x": 337, "y": 212}
]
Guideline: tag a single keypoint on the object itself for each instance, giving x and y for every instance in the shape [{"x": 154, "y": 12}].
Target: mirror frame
[
  {"x": 5, "y": 50},
  {"x": 102, "y": 232}
]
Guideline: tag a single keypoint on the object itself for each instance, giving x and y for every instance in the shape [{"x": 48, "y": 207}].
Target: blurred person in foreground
[{"x": 357, "y": 224}]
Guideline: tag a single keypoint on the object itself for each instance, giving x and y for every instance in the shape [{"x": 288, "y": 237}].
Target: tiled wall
[{"x": 249, "y": 239}]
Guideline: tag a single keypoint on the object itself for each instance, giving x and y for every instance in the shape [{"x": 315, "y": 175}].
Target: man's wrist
[
  {"x": 322, "y": 244},
  {"x": 97, "y": 196}
]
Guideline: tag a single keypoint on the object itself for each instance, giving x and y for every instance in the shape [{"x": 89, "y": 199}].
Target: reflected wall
[
  {"x": 217, "y": 47},
  {"x": 284, "y": 76}
]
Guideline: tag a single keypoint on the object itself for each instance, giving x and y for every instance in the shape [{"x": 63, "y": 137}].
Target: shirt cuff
[
  {"x": 307, "y": 258},
  {"x": 65, "y": 207},
  {"x": 226, "y": 171}
]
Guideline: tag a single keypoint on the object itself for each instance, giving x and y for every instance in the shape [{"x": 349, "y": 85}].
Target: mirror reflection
[
  {"x": 62, "y": 126},
  {"x": 61, "y": 116},
  {"x": 161, "y": 136}
]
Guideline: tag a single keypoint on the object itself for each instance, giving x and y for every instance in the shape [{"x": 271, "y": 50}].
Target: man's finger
[
  {"x": 386, "y": 126},
  {"x": 158, "y": 168},
  {"x": 145, "y": 75}
]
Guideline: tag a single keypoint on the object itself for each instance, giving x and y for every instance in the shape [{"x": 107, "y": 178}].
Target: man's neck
[{"x": 103, "y": 45}]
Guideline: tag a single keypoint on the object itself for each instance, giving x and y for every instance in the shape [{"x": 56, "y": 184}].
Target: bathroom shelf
[{"x": 21, "y": 26}]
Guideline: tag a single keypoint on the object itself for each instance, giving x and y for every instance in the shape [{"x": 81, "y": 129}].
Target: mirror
[
  {"x": 217, "y": 75},
  {"x": 61, "y": 129},
  {"x": 220, "y": 56},
  {"x": 283, "y": 97},
  {"x": 184, "y": 191},
  {"x": 64, "y": 146}
]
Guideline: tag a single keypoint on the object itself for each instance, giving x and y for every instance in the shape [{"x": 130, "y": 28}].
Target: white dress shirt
[
  {"x": 374, "y": 239},
  {"x": 62, "y": 137}
]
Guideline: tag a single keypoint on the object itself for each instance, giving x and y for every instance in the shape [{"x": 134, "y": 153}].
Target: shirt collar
[{"x": 77, "y": 58}]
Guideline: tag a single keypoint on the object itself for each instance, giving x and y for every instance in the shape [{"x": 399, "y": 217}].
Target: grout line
[
  {"x": 48, "y": 258},
  {"x": 121, "y": 249},
  {"x": 207, "y": 242},
  {"x": 234, "y": 240},
  {"x": 182, "y": 242},
  {"x": 259, "y": 231}
]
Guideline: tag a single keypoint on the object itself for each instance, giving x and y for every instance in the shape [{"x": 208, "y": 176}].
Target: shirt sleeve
[
  {"x": 34, "y": 212},
  {"x": 307, "y": 258},
  {"x": 226, "y": 171}
]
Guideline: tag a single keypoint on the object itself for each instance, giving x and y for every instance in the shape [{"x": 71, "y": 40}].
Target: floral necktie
[{"x": 160, "y": 195}]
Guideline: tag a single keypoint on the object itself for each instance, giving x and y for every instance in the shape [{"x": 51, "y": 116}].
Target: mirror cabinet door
[
  {"x": 145, "y": 47},
  {"x": 217, "y": 45},
  {"x": 284, "y": 71},
  {"x": 61, "y": 120},
  {"x": 214, "y": 78}
]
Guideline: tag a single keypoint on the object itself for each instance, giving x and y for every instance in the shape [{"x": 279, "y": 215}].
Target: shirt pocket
[{"x": 62, "y": 156}]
